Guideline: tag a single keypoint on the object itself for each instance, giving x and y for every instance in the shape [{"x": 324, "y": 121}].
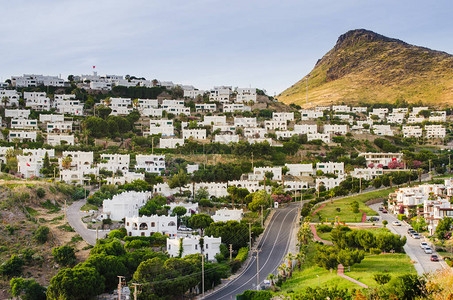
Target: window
[{"x": 196, "y": 247}]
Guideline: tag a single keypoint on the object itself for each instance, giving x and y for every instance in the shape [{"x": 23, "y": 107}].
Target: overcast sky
[{"x": 260, "y": 43}]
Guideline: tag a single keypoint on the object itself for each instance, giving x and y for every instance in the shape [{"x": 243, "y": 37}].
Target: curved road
[
  {"x": 273, "y": 245},
  {"x": 74, "y": 216}
]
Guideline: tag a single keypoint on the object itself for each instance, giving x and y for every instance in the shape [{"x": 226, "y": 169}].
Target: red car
[
  {"x": 384, "y": 211},
  {"x": 434, "y": 257}
]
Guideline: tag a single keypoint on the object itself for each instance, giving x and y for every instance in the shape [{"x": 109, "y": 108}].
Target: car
[
  {"x": 428, "y": 250},
  {"x": 384, "y": 211},
  {"x": 434, "y": 257},
  {"x": 410, "y": 229},
  {"x": 184, "y": 228},
  {"x": 381, "y": 208},
  {"x": 396, "y": 223},
  {"x": 416, "y": 236},
  {"x": 423, "y": 245}
]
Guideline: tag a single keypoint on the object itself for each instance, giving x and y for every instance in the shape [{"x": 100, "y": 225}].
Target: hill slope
[{"x": 367, "y": 67}]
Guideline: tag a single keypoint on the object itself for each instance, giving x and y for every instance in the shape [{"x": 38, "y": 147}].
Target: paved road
[
  {"x": 423, "y": 261},
  {"x": 273, "y": 245},
  {"x": 74, "y": 216}
]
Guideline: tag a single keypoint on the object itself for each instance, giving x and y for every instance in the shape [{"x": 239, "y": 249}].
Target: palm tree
[
  {"x": 304, "y": 235},
  {"x": 300, "y": 258},
  {"x": 135, "y": 103},
  {"x": 107, "y": 101},
  {"x": 290, "y": 257},
  {"x": 5, "y": 101},
  {"x": 282, "y": 269},
  {"x": 66, "y": 162},
  {"x": 271, "y": 277},
  {"x": 331, "y": 194}
]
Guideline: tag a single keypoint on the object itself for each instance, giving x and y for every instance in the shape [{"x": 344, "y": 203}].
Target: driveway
[
  {"x": 74, "y": 216},
  {"x": 423, "y": 263}
]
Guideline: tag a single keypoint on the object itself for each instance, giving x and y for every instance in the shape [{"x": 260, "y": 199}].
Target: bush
[
  {"x": 41, "y": 234},
  {"x": 64, "y": 255},
  {"x": 12, "y": 267},
  {"x": 324, "y": 228},
  {"x": 255, "y": 295},
  {"x": 375, "y": 251},
  {"x": 27, "y": 289},
  {"x": 402, "y": 217},
  {"x": 40, "y": 192},
  {"x": 118, "y": 233},
  {"x": 385, "y": 222},
  {"x": 242, "y": 254},
  {"x": 382, "y": 278}
]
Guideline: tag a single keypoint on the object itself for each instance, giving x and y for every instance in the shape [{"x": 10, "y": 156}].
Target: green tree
[
  {"x": 41, "y": 234},
  {"x": 444, "y": 227},
  {"x": 27, "y": 289},
  {"x": 78, "y": 283},
  {"x": 178, "y": 180},
  {"x": 200, "y": 221},
  {"x": 304, "y": 235},
  {"x": 179, "y": 211},
  {"x": 64, "y": 255},
  {"x": 12, "y": 267},
  {"x": 109, "y": 266},
  {"x": 201, "y": 193},
  {"x": 259, "y": 198}
]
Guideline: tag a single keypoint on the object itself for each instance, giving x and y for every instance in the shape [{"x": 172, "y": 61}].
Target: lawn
[
  {"x": 395, "y": 264},
  {"x": 88, "y": 207},
  {"x": 326, "y": 235},
  {"x": 344, "y": 204}
]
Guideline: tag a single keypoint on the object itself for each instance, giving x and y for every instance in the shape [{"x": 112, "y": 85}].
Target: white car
[
  {"x": 423, "y": 245},
  {"x": 428, "y": 250},
  {"x": 396, "y": 223},
  {"x": 416, "y": 236}
]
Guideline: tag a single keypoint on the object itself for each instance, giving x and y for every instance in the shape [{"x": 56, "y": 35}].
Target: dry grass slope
[{"x": 368, "y": 67}]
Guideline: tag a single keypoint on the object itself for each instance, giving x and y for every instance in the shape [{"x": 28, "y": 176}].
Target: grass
[
  {"x": 31, "y": 211},
  {"x": 88, "y": 207},
  {"x": 395, "y": 264},
  {"x": 344, "y": 204},
  {"x": 66, "y": 227},
  {"x": 326, "y": 235}
]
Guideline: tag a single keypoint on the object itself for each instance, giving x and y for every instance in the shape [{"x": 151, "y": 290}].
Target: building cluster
[{"x": 430, "y": 201}]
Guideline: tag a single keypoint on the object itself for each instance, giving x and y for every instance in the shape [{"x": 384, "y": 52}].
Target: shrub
[
  {"x": 64, "y": 255},
  {"x": 118, "y": 233},
  {"x": 242, "y": 254},
  {"x": 402, "y": 217},
  {"x": 41, "y": 234},
  {"x": 40, "y": 192},
  {"x": 324, "y": 228},
  {"x": 382, "y": 278},
  {"x": 375, "y": 251},
  {"x": 12, "y": 267},
  {"x": 385, "y": 222}
]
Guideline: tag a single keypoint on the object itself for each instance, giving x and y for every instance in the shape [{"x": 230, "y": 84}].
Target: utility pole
[
  {"x": 262, "y": 216},
  {"x": 152, "y": 144},
  {"x": 250, "y": 236},
  {"x": 136, "y": 290},
  {"x": 231, "y": 252},
  {"x": 257, "y": 269},
  {"x": 202, "y": 274},
  {"x": 65, "y": 216},
  {"x": 252, "y": 161},
  {"x": 360, "y": 180},
  {"x": 120, "y": 286},
  {"x": 449, "y": 163}
]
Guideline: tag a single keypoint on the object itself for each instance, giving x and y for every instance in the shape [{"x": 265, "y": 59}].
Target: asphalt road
[
  {"x": 423, "y": 261},
  {"x": 74, "y": 216},
  {"x": 273, "y": 245}
]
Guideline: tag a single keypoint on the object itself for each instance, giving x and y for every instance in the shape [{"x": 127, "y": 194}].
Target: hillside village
[{"x": 153, "y": 157}]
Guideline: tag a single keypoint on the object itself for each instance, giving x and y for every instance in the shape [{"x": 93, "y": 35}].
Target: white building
[
  {"x": 283, "y": 116},
  {"x": 24, "y": 124},
  {"x": 31, "y": 80},
  {"x": 236, "y": 107},
  {"x": 127, "y": 177},
  {"x": 300, "y": 169},
  {"x": 382, "y": 130},
  {"x": 226, "y": 138},
  {"x": 59, "y": 139},
  {"x": 367, "y": 173},
  {"x": 325, "y": 137},
  {"x": 177, "y": 109},
  {"x": 220, "y": 94},
  {"x": 396, "y": 118},
  {"x": 255, "y": 132},
  {"x": 215, "y": 189},
  {"x": 403, "y": 110},
  {"x": 260, "y": 172},
  {"x": 214, "y": 120},
  {"x": 336, "y": 129},
  {"x": 115, "y": 162},
  {"x": 191, "y": 245},
  {"x": 359, "y": 109},
  {"x": 306, "y": 114},
  {"x": 245, "y": 122},
  {"x": 53, "y": 118},
  {"x": 120, "y": 106},
  {"x": 292, "y": 185},
  {"x": 245, "y": 95},
  {"x": 205, "y": 107},
  {"x": 418, "y": 109},
  {"x": 3, "y": 151},
  {"x": 381, "y": 158},
  {"x": 275, "y": 125},
  {"x": 80, "y": 166},
  {"x": 196, "y": 134},
  {"x": 341, "y": 108},
  {"x": 328, "y": 183},
  {"x": 150, "y": 163},
  {"x": 191, "y": 208},
  {"x": 414, "y": 118},
  {"x": 17, "y": 113},
  {"x": 331, "y": 167},
  {"x": 149, "y": 225},
  {"x": 225, "y": 215},
  {"x": 170, "y": 143},
  {"x": 163, "y": 127},
  {"x": 125, "y": 205},
  {"x": 22, "y": 135},
  {"x": 436, "y": 116},
  {"x": 12, "y": 97},
  {"x": 37, "y": 100},
  {"x": 147, "y": 103},
  {"x": 65, "y": 126},
  {"x": 69, "y": 107},
  {"x": 192, "y": 168},
  {"x": 31, "y": 162},
  {"x": 285, "y": 134},
  {"x": 305, "y": 128},
  {"x": 412, "y": 131},
  {"x": 435, "y": 131},
  {"x": 193, "y": 93}
]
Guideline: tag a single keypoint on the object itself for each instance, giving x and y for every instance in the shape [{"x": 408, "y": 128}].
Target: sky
[{"x": 250, "y": 43}]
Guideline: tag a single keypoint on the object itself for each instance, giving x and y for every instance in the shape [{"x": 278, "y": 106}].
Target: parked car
[
  {"x": 381, "y": 208},
  {"x": 410, "y": 229},
  {"x": 416, "y": 236},
  {"x": 396, "y": 223},
  {"x": 184, "y": 228},
  {"x": 423, "y": 245},
  {"x": 434, "y": 257},
  {"x": 428, "y": 250},
  {"x": 384, "y": 211}
]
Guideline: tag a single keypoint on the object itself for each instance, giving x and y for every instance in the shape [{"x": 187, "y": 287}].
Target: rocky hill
[{"x": 366, "y": 67}]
